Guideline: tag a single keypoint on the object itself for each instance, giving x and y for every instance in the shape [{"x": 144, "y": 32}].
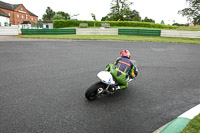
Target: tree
[
  {"x": 120, "y": 10},
  {"x": 162, "y": 22},
  {"x": 136, "y": 16},
  {"x": 65, "y": 15},
  {"x": 104, "y": 18},
  {"x": 49, "y": 14},
  {"x": 197, "y": 20},
  {"x": 58, "y": 17},
  {"x": 148, "y": 20},
  {"x": 39, "y": 24},
  {"x": 93, "y": 16},
  {"x": 192, "y": 12}
]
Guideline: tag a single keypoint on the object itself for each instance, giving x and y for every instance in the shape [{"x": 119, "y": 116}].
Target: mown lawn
[
  {"x": 116, "y": 38},
  {"x": 188, "y": 28},
  {"x": 193, "y": 126}
]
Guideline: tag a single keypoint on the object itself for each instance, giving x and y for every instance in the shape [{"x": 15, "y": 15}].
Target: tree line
[
  {"x": 120, "y": 11},
  {"x": 51, "y": 15}
]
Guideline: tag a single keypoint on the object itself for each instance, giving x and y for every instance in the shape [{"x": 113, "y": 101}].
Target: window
[
  {"x": 6, "y": 24},
  {"x": 22, "y": 16},
  {"x": 17, "y": 15},
  {"x": 8, "y": 14},
  {"x": 22, "y": 9},
  {"x": 32, "y": 19}
]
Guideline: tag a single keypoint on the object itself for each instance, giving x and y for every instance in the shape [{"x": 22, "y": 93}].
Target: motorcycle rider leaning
[{"x": 122, "y": 68}]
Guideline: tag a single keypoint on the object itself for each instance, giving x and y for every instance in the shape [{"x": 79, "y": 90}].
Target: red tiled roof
[{"x": 12, "y": 7}]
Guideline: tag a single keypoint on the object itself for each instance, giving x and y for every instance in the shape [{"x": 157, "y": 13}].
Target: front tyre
[{"x": 92, "y": 91}]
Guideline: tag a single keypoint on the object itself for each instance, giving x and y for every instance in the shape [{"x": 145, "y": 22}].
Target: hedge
[{"x": 75, "y": 23}]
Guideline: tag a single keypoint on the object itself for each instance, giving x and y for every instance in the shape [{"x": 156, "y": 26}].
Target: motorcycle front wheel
[{"x": 92, "y": 91}]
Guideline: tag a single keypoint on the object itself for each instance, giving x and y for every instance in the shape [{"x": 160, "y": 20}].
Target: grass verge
[
  {"x": 116, "y": 38},
  {"x": 193, "y": 126},
  {"x": 189, "y": 28}
]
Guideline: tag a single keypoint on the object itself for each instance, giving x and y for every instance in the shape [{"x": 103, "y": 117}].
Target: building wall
[
  {"x": 4, "y": 20},
  {"x": 19, "y": 15},
  {"x": 10, "y": 13},
  {"x": 48, "y": 25}
]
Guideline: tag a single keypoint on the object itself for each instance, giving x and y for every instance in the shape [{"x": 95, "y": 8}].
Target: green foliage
[
  {"x": 104, "y": 18},
  {"x": 177, "y": 24},
  {"x": 148, "y": 20},
  {"x": 193, "y": 11},
  {"x": 75, "y": 23},
  {"x": 162, "y": 22},
  {"x": 39, "y": 24},
  {"x": 58, "y": 17},
  {"x": 120, "y": 10},
  {"x": 49, "y": 14},
  {"x": 197, "y": 20},
  {"x": 65, "y": 15},
  {"x": 93, "y": 16},
  {"x": 136, "y": 17}
]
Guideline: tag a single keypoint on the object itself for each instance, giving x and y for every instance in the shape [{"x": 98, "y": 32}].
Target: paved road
[{"x": 42, "y": 86}]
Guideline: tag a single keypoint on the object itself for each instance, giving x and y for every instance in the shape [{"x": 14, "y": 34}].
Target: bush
[
  {"x": 177, "y": 24},
  {"x": 75, "y": 23}
]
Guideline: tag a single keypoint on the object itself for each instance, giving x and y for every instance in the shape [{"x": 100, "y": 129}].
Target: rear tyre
[{"x": 92, "y": 91}]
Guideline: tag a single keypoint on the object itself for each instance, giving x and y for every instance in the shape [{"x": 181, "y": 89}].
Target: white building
[
  {"x": 48, "y": 24},
  {"x": 4, "y": 19}
]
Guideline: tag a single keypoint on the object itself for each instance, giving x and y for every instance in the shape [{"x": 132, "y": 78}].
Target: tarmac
[{"x": 49, "y": 78}]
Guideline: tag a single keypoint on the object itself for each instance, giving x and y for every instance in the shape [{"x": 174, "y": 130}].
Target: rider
[{"x": 122, "y": 68}]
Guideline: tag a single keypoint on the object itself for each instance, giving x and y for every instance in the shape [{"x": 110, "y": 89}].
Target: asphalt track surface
[{"x": 42, "y": 86}]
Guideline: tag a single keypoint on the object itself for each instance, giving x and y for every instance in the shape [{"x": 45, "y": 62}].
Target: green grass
[
  {"x": 193, "y": 126},
  {"x": 188, "y": 28},
  {"x": 116, "y": 38}
]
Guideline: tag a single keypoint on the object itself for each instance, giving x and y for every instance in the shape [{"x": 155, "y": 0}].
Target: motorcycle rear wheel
[{"x": 92, "y": 92}]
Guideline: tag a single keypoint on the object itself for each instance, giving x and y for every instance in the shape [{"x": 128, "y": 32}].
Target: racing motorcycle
[{"x": 105, "y": 86}]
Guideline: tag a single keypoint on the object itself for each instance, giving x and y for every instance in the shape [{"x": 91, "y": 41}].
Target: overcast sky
[{"x": 158, "y": 10}]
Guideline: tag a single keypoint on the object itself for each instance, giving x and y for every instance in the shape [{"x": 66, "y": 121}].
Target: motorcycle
[{"x": 105, "y": 85}]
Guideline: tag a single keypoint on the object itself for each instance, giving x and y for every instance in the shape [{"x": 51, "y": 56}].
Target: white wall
[
  {"x": 9, "y": 31},
  {"x": 183, "y": 34},
  {"x": 26, "y": 26},
  {"x": 50, "y": 25},
  {"x": 3, "y": 20},
  {"x": 94, "y": 31}
]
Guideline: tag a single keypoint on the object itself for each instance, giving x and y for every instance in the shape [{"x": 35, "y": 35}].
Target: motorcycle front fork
[{"x": 101, "y": 90}]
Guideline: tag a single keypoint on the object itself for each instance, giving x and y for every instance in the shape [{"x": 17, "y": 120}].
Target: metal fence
[
  {"x": 47, "y": 31},
  {"x": 139, "y": 32},
  {"x": 88, "y": 31}
]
